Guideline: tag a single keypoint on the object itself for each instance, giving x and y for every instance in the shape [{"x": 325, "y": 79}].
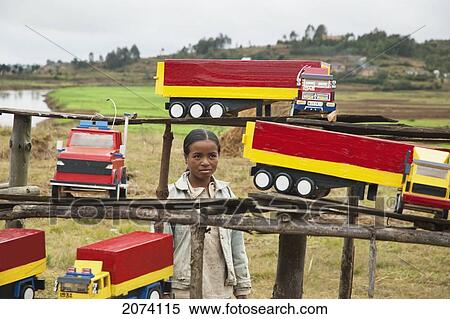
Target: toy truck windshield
[
  {"x": 92, "y": 140},
  {"x": 68, "y": 284}
]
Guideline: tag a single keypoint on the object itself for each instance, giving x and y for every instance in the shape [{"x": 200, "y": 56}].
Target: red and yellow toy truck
[
  {"x": 308, "y": 162},
  {"x": 135, "y": 265},
  {"x": 214, "y": 88},
  {"x": 93, "y": 159},
  {"x": 22, "y": 259}
]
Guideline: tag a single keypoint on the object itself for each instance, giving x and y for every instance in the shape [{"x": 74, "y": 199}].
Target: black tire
[
  {"x": 154, "y": 293},
  {"x": 283, "y": 178},
  {"x": 26, "y": 292},
  {"x": 202, "y": 110},
  {"x": 180, "y": 112},
  {"x": 309, "y": 189},
  {"x": 443, "y": 214},
  {"x": 265, "y": 174},
  {"x": 399, "y": 204}
]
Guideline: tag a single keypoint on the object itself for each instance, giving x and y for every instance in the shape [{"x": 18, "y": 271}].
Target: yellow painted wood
[{"x": 34, "y": 268}]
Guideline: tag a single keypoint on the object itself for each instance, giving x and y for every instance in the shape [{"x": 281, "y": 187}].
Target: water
[{"x": 23, "y": 99}]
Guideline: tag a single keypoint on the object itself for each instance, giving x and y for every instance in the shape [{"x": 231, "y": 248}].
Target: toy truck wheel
[
  {"x": 216, "y": 110},
  {"x": 154, "y": 293},
  {"x": 27, "y": 292},
  {"x": 177, "y": 110},
  {"x": 305, "y": 187},
  {"x": 196, "y": 110},
  {"x": 263, "y": 180},
  {"x": 283, "y": 183},
  {"x": 399, "y": 204}
]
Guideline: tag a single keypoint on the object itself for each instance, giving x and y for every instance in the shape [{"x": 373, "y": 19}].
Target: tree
[
  {"x": 91, "y": 57},
  {"x": 320, "y": 34},
  {"x": 293, "y": 36},
  {"x": 134, "y": 53},
  {"x": 309, "y": 33}
]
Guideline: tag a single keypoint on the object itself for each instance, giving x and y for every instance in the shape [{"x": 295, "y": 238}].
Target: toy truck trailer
[
  {"x": 135, "y": 265},
  {"x": 215, "y": 88},
  {"x": 93, "y": 159},
  {"x": 308, "y": 162},
  {"x": 22, "y": 259}
]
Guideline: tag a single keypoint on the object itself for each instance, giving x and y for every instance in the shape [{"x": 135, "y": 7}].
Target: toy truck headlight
[
  {"x": 71, "y": 270},
  {"x": 60, "y": 163},
  {"x": 109, "y": 166},
  {"x": 331, "y": 104}
]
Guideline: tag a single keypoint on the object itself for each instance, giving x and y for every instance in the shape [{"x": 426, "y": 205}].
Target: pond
[{"x": 24, "y": 100}]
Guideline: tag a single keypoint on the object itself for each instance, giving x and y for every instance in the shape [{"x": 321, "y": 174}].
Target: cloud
[{"x": 99, "y": 26}]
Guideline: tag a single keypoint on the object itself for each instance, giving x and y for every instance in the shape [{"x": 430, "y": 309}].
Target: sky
[{"x": 99, "y": 26}]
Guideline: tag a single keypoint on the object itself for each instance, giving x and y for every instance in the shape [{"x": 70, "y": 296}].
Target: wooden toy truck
[
  {"x": 215, "y": 88},
  {"x": 308, "y": 162},
  {"x": 135, "y": 265},
  {"x": 22, "y": 259},
  {"x": 92, "y": 160}
]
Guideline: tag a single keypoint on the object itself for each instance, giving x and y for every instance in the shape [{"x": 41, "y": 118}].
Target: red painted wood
[
  {"x": 20, "y": 246},
  {"x": 83, "y": 178},
  {"x": 426, "y": 201},
  {"x": 234, "y": 73},
  {"x": 132, "y": 255},
  {"x": 331, "y": 146}
]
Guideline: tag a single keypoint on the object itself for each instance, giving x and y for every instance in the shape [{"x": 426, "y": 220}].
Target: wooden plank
[
  {"x": 21, "y": 190},
  {"x": 376, "y": 129},
  {"x": 240, "y": 222}
]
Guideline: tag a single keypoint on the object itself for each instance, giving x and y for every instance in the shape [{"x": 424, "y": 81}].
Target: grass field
[{"x": 403, "y": 271}]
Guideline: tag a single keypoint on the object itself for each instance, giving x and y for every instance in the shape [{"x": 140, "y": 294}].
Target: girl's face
[{"x": 202, "y": 159}]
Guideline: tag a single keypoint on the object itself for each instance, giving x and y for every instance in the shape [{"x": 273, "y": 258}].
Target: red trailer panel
[
  {"x": 19, "y": 247},
  {"x": 331, "y": 146},
  {"x": 235, "y": 73},
  {"x": 131, "y": 255}
]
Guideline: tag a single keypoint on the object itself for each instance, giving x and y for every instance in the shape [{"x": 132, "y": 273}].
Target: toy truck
[
  {"x": 22, "y": 260},
  {"x": 215, "y": 88},
  {"x": 92, "y": 160},
  {"x": 135, "y": 265},
  {"x": 308, "y": 162},
  {"x": 316, "y": 91}
]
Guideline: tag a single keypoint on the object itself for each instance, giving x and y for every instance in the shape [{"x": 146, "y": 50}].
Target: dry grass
[{"x": 403, "y": 271}]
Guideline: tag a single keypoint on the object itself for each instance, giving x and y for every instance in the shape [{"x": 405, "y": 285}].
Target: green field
[{"x": 142, "y": 100}]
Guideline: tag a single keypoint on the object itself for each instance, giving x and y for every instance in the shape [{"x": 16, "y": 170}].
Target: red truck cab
[
  {"x": 91, "y": 160},
  {"x": 316, "y": 91}
]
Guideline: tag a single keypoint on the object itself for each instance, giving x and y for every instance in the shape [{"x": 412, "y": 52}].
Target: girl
[{"x": 225, "y": 263}]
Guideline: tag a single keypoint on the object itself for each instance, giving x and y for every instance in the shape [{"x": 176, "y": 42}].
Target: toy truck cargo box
[
  {"x": 22, "y": 254},
  {"x": 342, "y": 155},
  {"x": 131, "y": 256}
]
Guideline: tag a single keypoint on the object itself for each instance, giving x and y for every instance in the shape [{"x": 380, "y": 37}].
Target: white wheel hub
[
  {"x": 28, "y": 293},
  {"x": 262, "y": 180},
  {"x": 196, "y": 110},
  {"x": 154, "y": 295},
  {"x": 216, "y": 111},
  {"x": 304, "y": 187},
  {"x": 282, "y": 183},
  {"x": 176, "y": 110}
]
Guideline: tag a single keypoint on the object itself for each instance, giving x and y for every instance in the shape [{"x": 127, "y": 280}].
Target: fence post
[
  {"x": 20, "y": 148},
  {"x": 348, "y": 250},
  {"x": 290, "y": 267},
  {"x": 372, "y": 266},
  {"x": 197, "y": 246},
  {"x": 162, "y": 192}
]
